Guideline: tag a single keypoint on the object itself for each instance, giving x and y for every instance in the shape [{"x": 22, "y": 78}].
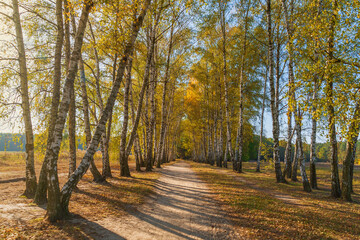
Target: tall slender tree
[{"x": 31, "y": 183}]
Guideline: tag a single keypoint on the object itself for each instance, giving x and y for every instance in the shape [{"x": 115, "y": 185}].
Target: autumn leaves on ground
[
  {"x": 91, "y": 201},
  {"x": 251, "y": 202}
]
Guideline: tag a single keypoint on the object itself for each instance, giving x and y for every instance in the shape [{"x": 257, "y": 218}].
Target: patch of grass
[
  {"x": 259, "y": 215},
  {"x": 36, "y": 220}
]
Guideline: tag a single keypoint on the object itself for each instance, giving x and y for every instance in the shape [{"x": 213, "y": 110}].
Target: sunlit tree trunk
[
  {"x": 304, "y": 178},
  {"x": 143, "y": 146},
  {"x": 163, "y": 108},
  {"x": 216, "y": 144},
  {"x": 25, "y": 104},
  {"x": 137, "y": 145},
  {"x": 101, "y": 126},
  {"x": 353, "y": 135},
  {"x": 295, "y": 162},
  {"x": 222, "y": 7},
  {"x": 40, "y": 196},
  {"x": 352, "y": 165},
  {"x": 151, "y": 90},
  {"x": 54, "y": 209},
  {"x": 274, "y": 103},
  {"x": 240, "y": 137},
  {"x": 290, "y": 111},
  {"x": 313, "y": 181},
  {"x": 287, "y": 158},
  {"x": 220, "y": 145},
  {"x": 335, "y": 182},
  {"x": 72, "y": 110},
  {"x": 105, "y": 139},
  {"x": 293, "y": 104},
  {"x": 124, "y": 166},
  {"x": 93, "y": 169},
  {"x": 262, "y": 121}
]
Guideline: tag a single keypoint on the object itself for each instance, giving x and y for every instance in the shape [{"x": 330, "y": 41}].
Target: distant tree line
[
  {"x": 250, "y": 153},
  {"x": 16, "y": 142}
]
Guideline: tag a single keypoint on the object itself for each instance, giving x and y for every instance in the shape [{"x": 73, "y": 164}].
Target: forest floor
[
  {"x": 171, "y": 203},
  {"x": 21, "y": 219},
  {"x": 260, "y": 208},
  {"x": 183, "y": 200}
]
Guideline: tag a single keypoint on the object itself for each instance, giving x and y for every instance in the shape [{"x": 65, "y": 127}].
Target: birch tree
[{"x": 31, "y": 183}]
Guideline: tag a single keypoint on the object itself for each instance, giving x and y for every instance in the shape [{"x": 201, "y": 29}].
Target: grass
[
  {"x": 256, "y": 212},
  {"x": 90, "y": 202}
]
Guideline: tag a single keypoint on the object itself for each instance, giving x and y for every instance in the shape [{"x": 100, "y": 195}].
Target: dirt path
[{"x": 182, "y": 208}]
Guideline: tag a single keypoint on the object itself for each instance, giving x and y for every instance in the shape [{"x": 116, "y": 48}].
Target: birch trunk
[
  {"x": 137, "y": 146},
  {"x": 208, "y": 129},
  {"x": 298, "y": 117},
  {"x": 54, "y": 208},
  {"x": 106, "y": 169},
  {"x": 124, "y": 166},
  {"x": 352, "y": 166},
  {"x": 350, "y": 149},
  {"x": 72, "y": 135},
  {"x": 40, "y": 196},
  {"x": 215, "y": 145},
  {"x": 262, "y": 121},
  {"x": 221, "y": 139},
  {"x": 287, "y": 168},
  {"x": 72, "y": 110},
  {"x": 227, "y": 110},
  {"x": 93, "y": 169},
  {"x": 163, "y": 108},
  {"x": 274, "y": 98},
  {"x": 141, "y": 97},
  {"x": 25, "y": 104},
  {"x": 143, "y": 164},
  {"x": 305, "y": 181},
  {"x": 155, "y": 141},
  {"x": 295, "y": 162},
  {"x": 100, "y": 128},
  {"x": 105, "y": 139},
  {"x": 240, "y": 137},
  {"x": 335, "y": 182},
  {"x": 150, "y": 142},
  {"x": 313, "y": 181}
]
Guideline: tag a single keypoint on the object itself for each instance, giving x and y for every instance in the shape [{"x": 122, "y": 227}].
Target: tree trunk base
[
  {"x": 60, "y": 214},
  {"x": 99, "y": 180},
  {"x": 313, "y": 180},
  {"x": 40, "y": 197},
  {"x": 347, "y": 197},
  {"x": 30, "y": 190},
  {"x": 307, "y": 187},
  {"x": 282, "y": 180},
  {"x": 107, "y": 174}
]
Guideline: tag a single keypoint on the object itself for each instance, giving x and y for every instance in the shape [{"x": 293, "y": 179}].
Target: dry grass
[
  {"x": 89, "y": 202},
  {"x": 255, "y": 210}
]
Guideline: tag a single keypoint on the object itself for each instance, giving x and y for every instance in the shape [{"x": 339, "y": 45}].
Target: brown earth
[{"x": 180, "y": 207}]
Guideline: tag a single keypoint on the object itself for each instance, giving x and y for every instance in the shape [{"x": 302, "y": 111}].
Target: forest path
[{"x": 181, "y": 208}]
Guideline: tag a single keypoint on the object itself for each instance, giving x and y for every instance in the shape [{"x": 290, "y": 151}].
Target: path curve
[{"x": 181, "y": 208}]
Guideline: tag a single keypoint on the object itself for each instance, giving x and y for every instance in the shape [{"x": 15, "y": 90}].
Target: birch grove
[{"x": 221, "y": 82}]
